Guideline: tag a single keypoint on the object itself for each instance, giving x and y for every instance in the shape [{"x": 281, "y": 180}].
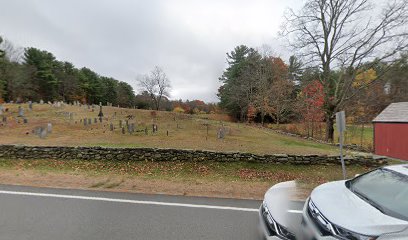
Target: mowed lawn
[{"x": 175, "y": 130}]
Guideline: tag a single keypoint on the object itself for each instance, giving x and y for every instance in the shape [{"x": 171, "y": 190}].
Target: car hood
[
  {"x": 345, "y": 209},
  {"x": 279, "y": 199}
]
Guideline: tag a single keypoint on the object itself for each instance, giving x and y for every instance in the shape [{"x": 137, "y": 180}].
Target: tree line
[
  {"x": 339, "y": 47},
  {"x": 34, "y": 74}
]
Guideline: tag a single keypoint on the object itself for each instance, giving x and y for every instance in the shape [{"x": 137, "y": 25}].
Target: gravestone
[
  {"x": 85, "y": 121},
  {"x": 146, "y": 132},
  {"x": 95, "y": 120},
  {"x": 4, "y": 119},
  {"x": 154, "y": 128},
  {"x": 20, "y": 111},
  {"x": 111, "y": 126},
  {"x": 49, "y": 127},
  {"x": 1, "y": 110},
  {"x": 41, "y": 101},
  {"x": 89, "y": 121},
  {"x": 25, "y": 121},
  {"x": 221, "y": 133},
  {"x": 123, "y": 130},
  {"x": 131, "y": 128},
  {"x": 30, "y": 105},
  {"x": 120, "y": 123},
  {"x": 71, "y": 116},
  {"x": 43, "y": 133},
  {"x": 100, "y": 114}
]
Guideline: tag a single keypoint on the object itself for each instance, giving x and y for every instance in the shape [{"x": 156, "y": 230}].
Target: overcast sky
[{"x": 187, "y": 38}]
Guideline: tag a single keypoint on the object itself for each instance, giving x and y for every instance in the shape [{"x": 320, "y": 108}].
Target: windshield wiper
[{"x": 371, "y": 202}]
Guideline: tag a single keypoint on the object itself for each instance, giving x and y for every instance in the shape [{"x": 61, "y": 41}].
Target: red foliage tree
[{"x": 312, "y": 100}]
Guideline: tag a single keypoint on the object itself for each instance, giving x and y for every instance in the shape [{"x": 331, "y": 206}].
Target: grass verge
[{"x": 212, "y": 179}]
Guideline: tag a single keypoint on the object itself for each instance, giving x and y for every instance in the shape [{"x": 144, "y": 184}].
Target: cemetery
[
  {"x": 76, "y": 124},
  {"x": 73, "y": 145}
]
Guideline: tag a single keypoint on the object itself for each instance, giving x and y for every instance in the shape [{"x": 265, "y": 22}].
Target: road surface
[{"x": 43, "y": 213}]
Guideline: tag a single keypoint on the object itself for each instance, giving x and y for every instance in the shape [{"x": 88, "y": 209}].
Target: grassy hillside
[{"x": 184, "y": 131}]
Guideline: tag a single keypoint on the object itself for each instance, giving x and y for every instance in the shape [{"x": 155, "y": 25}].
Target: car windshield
[{"x": 384, "y": 189}]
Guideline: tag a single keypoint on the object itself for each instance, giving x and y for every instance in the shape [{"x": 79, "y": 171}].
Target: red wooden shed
[{"x": 391, "y": 131}]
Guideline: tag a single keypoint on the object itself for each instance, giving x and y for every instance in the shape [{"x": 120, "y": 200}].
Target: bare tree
[
  {"x": 2, "y": 54},
  {"x": 11, "y": 52},
  {"x": 343, "y": 38},
  {"x": 156, "y": 84}
]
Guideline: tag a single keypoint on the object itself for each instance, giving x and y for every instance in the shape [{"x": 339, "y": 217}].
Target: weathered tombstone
[
  {"x": 100, "y": 114},
  {"x": 89, "y": 121},
  {"x": 154, "y": 128},
  {"x": 25, "y": 121},
  {"x": 85, "y": 121},
  {"x": 71, "y": 116},
  {"x": 1, "y": 110},
  {"x": 111, "y": 126},
  {"x": 127, "y": 123},
  {"x": 43, "y": 133},
  {"x": 167, "y": 133},
  {"x": 221, "y": 133},
  {"x": 49, "y": 127},
  {"x": 30, "y": 105},
  {"x": 95, "y": 120},
  {"x": 123, "y": 130},
  {"x": 4, "y": 119},
  {"x": 132, "y": 125},
  {"x": 41, "y": 101},
  {"x": 120, "y": 123},
  {"x": 20, "y": 111}
]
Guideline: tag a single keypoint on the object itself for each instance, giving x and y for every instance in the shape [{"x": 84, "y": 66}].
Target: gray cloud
[{"x": 187, "y": 38}]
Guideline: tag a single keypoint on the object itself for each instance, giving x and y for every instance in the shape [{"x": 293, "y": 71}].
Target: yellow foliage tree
[
  {"x": 363, "y": 78},
  {"x": 178, "y": 110}
]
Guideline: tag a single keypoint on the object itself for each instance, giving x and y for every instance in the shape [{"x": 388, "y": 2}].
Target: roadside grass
[
  {"x": 186, "y": 172},
  {"x": 184, "y": 131}
]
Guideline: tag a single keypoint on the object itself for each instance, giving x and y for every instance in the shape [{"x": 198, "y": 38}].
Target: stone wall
[{"x": 155, "y": 154}]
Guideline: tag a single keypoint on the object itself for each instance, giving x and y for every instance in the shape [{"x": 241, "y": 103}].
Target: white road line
[
  {"x": 295, "y": 211},
  {"x": 128, "y": 201}
]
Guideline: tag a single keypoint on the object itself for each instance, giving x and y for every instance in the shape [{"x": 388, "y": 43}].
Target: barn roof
[{"x": 395, "y": 112}]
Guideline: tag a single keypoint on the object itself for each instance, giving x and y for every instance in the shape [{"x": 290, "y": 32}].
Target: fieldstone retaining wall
[{"x": 155, "y": 154}]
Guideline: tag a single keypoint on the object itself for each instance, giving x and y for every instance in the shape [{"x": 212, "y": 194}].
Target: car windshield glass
[{"x": 384, "y": 189}]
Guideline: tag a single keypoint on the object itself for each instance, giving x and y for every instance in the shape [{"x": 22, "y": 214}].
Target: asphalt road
[{"x": 42, "y": 213}]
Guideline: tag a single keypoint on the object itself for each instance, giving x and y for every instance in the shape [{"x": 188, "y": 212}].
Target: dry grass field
[{"x": 175, "y": 130}]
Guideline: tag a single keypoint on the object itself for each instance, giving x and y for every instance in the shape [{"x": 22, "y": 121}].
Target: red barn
[{"x": 391, "y": 131}]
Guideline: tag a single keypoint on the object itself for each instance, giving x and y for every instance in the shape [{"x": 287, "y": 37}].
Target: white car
[{"x": 372, "y": 206}]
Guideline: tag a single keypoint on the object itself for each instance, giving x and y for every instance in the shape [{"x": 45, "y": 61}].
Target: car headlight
[{"x": 347, "y": 235}]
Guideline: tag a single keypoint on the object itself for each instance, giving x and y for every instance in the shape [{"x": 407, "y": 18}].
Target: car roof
[{"x": 401, "y": 168}]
